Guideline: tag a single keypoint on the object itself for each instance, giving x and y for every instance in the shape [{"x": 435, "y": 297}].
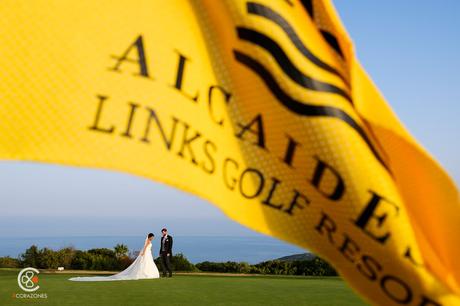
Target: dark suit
[{"x": 166, "y": 244}]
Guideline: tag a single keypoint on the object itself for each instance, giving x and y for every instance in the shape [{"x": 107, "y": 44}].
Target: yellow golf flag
[{"x": 260, "y": 107}]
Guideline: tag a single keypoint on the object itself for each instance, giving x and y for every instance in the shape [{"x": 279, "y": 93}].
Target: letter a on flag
[{"x": 258, "y": 106}]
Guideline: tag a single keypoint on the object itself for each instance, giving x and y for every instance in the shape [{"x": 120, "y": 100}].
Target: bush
[
  {"x": 124, "y": 262},
  {"x": 102, "y": 252},
  {"x": 81, "y": 261},
  {"x": 224, "y": 267},
  {"x": 69, "y": 258},
  {"x": 179, "y": 263},
  {"x": 8, "y": 262},
  {"x": 313, "y": 267}
]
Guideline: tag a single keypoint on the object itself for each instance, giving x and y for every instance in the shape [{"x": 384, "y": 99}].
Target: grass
[{"x": 186, "y": 289}]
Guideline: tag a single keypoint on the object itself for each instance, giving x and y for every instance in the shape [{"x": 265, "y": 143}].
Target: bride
[{"x": 142, "y": 267}]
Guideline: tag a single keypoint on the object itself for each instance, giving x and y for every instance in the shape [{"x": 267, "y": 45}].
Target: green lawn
[{"x": 184, "y": 290}]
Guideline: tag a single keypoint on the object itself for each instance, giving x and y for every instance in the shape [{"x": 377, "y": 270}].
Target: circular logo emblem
[{"x": 28, "y": 279}]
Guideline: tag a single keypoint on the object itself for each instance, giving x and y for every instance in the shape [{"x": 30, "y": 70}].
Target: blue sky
[{"x": 410, "y": 48}]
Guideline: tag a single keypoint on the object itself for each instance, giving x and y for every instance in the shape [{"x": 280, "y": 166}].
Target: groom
[{"x": 166, "y": 252}]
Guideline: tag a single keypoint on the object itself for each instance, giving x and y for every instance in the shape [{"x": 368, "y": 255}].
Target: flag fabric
[{"x": 260, "y": 107}]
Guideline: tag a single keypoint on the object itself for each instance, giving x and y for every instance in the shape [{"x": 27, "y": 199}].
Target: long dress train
[{"x": 143, "y": 267}]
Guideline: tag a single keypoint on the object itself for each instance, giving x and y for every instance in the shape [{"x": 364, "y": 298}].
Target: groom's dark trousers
[
  {"x": 166, "y": 263},
  {"x": 166, "y": 244}
]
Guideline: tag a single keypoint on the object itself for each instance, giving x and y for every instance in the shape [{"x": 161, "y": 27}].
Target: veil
[{"x": 145, "y": 244}]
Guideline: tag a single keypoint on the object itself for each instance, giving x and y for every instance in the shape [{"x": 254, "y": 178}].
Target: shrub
[
  {"x": 81, "y": 261},
  {"x": 124, "y": 262},
  {"x": 94, "y": 259},
  {"x": 8, "y": 262},
  {"x": 224, "y": 267},
  {"x": 313, "y": 267},
  {"x": 102, "y": 252},
  {"x": 179, "y": 263}
]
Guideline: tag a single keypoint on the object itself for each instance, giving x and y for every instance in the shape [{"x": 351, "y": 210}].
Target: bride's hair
[{"x": 150, "y": 235}]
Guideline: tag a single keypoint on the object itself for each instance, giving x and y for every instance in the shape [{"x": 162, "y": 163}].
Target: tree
[
  {"x": 30, "y": 257},
  {"x": 121, "y": 250},
  {"x": 48, "y": 259},
  {"x": 65, "y": 257}
]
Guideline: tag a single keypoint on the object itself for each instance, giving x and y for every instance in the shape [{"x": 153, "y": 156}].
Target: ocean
[{"x": 196, "y": 248}]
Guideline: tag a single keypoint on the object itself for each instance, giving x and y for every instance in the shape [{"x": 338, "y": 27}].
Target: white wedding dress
[{"x": 143, "y": 267}]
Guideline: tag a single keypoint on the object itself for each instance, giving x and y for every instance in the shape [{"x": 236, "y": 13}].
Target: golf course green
[{"x": 187, "y": 289}]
